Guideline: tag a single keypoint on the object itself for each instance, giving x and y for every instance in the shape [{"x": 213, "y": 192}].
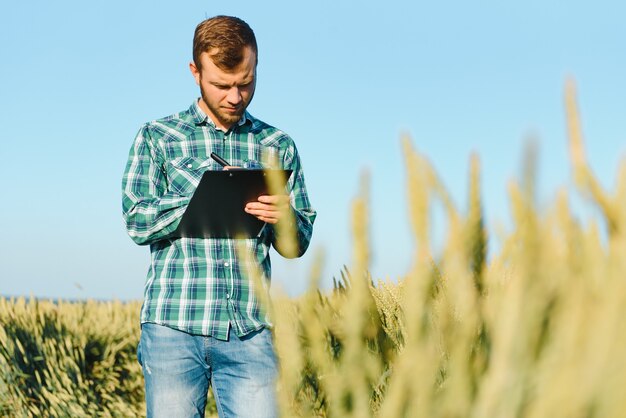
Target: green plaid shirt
[{"x": 200, "y": 285}]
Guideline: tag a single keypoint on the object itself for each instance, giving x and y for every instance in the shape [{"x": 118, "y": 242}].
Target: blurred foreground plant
[{"x": 536, "y": 332}]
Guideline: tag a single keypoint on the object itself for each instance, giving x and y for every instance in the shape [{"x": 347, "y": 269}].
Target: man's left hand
[{"x": 269, "y": 208}]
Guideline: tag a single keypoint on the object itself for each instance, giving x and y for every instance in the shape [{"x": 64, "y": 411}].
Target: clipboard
[{"x": 216, "y": 209}]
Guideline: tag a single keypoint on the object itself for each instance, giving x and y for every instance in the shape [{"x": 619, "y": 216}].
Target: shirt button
[
  {"x": 227, "y": 264},
  {"x": 189, "y": 165}
]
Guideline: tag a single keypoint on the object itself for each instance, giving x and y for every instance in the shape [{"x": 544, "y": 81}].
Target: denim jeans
[{"x": 178, "y": 369}]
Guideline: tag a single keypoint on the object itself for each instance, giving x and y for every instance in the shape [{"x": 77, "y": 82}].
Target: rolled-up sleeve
[{"x": 304, "y": 214}]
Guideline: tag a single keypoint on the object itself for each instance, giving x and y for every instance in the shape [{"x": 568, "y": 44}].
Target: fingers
[
  {"x": 268, "y": 216},
  {"x": 270, "y": 209},
  {"x": 267, "y": 213},
  {"x": 274, "y": 199}
]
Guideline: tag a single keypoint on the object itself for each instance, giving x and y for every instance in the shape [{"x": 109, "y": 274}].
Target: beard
[{"x": 224, "y": 117}]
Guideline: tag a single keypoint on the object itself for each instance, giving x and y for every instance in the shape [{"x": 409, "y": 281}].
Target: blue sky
[{"x": 344, "y": 79}]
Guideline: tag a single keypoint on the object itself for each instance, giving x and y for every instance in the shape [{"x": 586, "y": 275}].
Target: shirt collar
[{"x": 201, "y": 118}]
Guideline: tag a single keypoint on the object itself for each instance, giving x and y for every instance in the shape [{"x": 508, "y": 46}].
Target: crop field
[{"x": 534, "y": 330}]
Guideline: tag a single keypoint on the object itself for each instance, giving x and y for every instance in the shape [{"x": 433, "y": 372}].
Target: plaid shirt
[{"x": 200, "y": 285}]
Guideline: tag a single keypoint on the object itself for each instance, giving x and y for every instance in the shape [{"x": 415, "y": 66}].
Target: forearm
[{"x": 292, "y": 240}]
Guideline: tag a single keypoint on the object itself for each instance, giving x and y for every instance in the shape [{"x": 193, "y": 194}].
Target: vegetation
[
  {"x": 69, "y": 359},
  {"x": 536, "y": 331}
]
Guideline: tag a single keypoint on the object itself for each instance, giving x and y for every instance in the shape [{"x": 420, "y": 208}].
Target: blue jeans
[{"x": 178, "y": 369}]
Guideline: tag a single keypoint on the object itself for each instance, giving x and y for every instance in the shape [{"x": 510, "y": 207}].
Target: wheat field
[{"x": 534, "y": 330}]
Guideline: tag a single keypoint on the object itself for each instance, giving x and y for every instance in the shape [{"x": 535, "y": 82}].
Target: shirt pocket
[{"x": 184, "y": 174}]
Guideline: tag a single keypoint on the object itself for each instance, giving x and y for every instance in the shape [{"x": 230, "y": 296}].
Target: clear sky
[{"x": 344, "y": 78}]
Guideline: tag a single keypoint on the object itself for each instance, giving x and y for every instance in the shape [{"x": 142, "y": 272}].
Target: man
[{"x": 202, "y": 324}]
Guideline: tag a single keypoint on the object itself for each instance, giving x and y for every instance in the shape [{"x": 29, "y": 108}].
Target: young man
[{"x": 202, "y": 324}]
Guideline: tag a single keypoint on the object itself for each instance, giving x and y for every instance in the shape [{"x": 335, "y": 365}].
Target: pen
[{"x": 219, "y": 159}]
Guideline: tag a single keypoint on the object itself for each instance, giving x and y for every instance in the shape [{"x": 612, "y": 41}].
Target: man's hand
[{"x": 270, "y": 209}]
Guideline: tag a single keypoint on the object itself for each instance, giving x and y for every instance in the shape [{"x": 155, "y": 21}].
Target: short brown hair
[{"x": 229, "y": 35}]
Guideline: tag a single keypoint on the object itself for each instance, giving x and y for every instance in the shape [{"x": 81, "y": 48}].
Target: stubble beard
[{"x": 223, "y": 117}]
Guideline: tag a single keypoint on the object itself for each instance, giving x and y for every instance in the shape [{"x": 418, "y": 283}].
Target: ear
[{"x": 195, "y": 72}]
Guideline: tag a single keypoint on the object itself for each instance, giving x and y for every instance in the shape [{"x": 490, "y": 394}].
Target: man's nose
[{"x": 234, "y": 95}]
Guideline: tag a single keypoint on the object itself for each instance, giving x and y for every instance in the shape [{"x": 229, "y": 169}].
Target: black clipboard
[{"x": 216, "y": 209}]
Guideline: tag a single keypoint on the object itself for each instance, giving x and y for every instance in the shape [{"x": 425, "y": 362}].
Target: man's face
[{"x": 225, "y": 94}]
